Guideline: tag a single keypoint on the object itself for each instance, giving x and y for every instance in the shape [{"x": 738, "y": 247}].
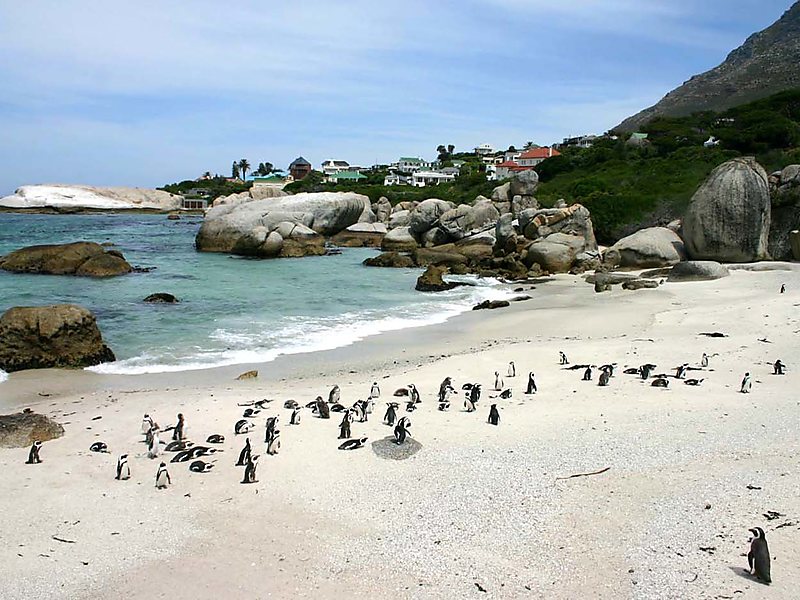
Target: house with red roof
[{"x": 525, "y": 162}]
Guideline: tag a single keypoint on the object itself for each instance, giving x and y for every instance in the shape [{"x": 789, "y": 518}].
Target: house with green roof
[{"x": 344, "y": 177}]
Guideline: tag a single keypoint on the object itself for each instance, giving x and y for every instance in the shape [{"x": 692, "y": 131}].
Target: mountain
[{"x": 767, "y": 63}]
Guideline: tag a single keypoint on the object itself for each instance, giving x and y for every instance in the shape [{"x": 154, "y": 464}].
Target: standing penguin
[
  {"x": 33, "y": 453},
  {"x": 363, "y": 410},
  {"x": 391, "y": 413},
  {"x": 494, "y": 415},
  {"x": 375, "y": 391},
  {"x": 778, "y": 368},
  {"x": 498, "y": 381},
  {"x": 562, "y": 358},
  {"x": 274, "y": 443},
  {"x": 512, "y": 370},
  {"x": 333, "y": 395},
  {"x": 446, "y": 384},
  {"x": 178, "y": 432},
  {"x": 587, "y": 374},
  {"x": 680, "y": 372},
  {"x": 401, "y": 430},
  {"x": 414, "y": 393},
  {"x": 531, "y": 384},
  {"x": 704, "y": 361},
  {"x": 123, "y": 469},
  {"x": 783, "y": 288},
  {"x": 344, "y": 426},
  {"x": 147, "y": 424},
  {"x": 604, "y": 379},
  {"x": 758, "y": 557},
  {"x": 272, "y": 424},
  {"x": 295, "y": 418},
  {"x": 747, "y": 384},
  {"x": 244, "y": 455},
  {"x": 250, "y": 470},
  {"x": 154, "y": 449},
  {"x": 323, "y": 410},
  {"x": 162, "y": 477}
]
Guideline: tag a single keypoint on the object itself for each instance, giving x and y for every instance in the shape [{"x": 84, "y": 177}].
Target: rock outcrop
[
  {"x": 280, "y": 227},
  {"x": 20, "y": 430},
  {"x": 161, "y": 298},
  {"x": 729, "y": 217},
  {"x": 697, "y": 270},
  {"x": 361, "y": 235},
  {"x": 431, "y": 280},
  {"x": 399, "y": 240},
  {"x": 74, "y": 198},
  {"x": 86, "y": 259},
  {"x": 39, "y": 337},
  {"x": 646, "y": 249},
  {"x": 555, "y": 253},
  {"x": 785, "y": 217},
  {"x": 427, "y": 214},
  {"x": 390, "y": 259}
]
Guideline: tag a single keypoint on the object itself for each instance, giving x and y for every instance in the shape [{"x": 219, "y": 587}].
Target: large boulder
[
  {"x": 401, "y": 218},
  {"x": 431, "y": 280},
  {"x": 20, "y": 430},
  {"x": 502, "y": 193},
  {"x": 556, "y": 253},
  {"x": 390, "y": 259},
  {"x": 382, "y": 209},
  {"x": 361, "y": 235},
  {"x": 794, "y": 240},
  {"x": 520, "y": 203},
  {"x": 263, "y": 192},
  {"x": 78, "y": 258},
  {"x": 484, "y": 214},
  {"x": 441, "y": 258},
  {"x": 571, "y": 220},
  {"x": 697, "y": 270},
  {"x": 504, "y": 229},
  {"x": 39, "y": 337},
  {"x": 729, "y": 217},
  {"x": 647, "y": 249},
  {"x": 427, "y": 214},
  {"x": 523, "y": 183},
  {"x": 399, "y": 240},
  {"x": 75, "y": 198},
  {"x": 243, "y": 228}
]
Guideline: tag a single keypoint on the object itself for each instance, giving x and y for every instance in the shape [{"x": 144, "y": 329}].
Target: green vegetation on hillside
[
  {"x": 628, "y": 186},
  {"x": 215, "y": 187}
]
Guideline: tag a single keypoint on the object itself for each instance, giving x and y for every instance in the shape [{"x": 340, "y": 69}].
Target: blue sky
[{"x": 149, "y": 92}]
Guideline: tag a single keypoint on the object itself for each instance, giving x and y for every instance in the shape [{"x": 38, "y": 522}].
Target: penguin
[
  {"x": 154, "y": 448},
  {"x": 272, "y": 424},
  {"x": 694, "y": 382},
  {"x": 344, "y": 427},
  {"x": 274, "y": 443},
  {"x": 512, "y": 370},
  {"x": 362, "y": 411},
  {"x": 242, "y": 426},
  {"x": 337, "y": 408},
  {"x": 250, "y": 413},
  {"x": 778, "y": 368},
  {"x": 178, "y": 432},
  {"x": 391, "y": 413},
  {"x": 646, "y": 370},
  {"x": 262, "y": 404},
  {"x": 747, "y": 384},
  {"x": 632, "y": 371},
  {"x": 99, "y": 447},
  {"x": 783, "y": 288},
  {"x": 147, "y": 424},
  {"x": 467, "y": 387},
  {"x": 414, "y": 394},
  {"x": 333, "y": 395},
  {"x": 475, "y": 394},
  {"x": 291, "y": 404},
  {"x": 162, "y": 477},
  {"x": 123, "y": 469},
  {"x": 604, "y": 379},
  {"x": 184, "y": 456},
  {"x": 353, "y": 444},
  {"x": 244, "y": 455},
  {"x": 250, "y": 470},
  {"x": 314, "y": 405},
  {"x": 505, "y": 394},
  {"x": 704, "y": 361},
  {"x": 323, "y": 411},
  {"x": 443, "y": 406},
  {"x": 587, "y": 374},
  {"x": 443, "y": 387},
  {"x": 400, "y": 392},
  {"x": 494, "y": 415},
  {"x": 498, "y": 381},
  {"x": 660, "y": 382},
  {"x": 215, "y": 438},
  {"x": 33, "y": 454},
  {"x": 680, "y": 372},
  {"x": 295, "y": 418},
  {"x": 199, "y": 466},
  {"x": 531, "y": 384},
  {"x": 401, "y": 430},
  {"x": 609, "y": 368},
  {"x": 469, "y": 405},
  {"x": 375, "y": 391},
  {"x": 758, "y": 558},
  {"x": 562, "y": 358},
  {"x": 177, "y": 446}
]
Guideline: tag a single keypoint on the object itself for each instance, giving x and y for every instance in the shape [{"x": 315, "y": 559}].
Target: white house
[
  {"x": 484, "y": 149},
  {"x": 411, "y": 164},
  {"x": 425, "y": 178},
  {"x": 396, "y": 179}
]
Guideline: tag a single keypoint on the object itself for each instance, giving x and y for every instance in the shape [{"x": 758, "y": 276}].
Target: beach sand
[{"x": 479, "y": 511}]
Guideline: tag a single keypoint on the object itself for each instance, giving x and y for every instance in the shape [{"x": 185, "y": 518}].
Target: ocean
[{"x": 233, "y": 310}]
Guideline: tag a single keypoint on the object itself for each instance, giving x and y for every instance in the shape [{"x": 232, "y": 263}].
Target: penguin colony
[{"x": 185, "y": 451}]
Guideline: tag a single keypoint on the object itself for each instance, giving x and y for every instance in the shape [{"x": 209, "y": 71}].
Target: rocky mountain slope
[{"x": 767, "y": 63}]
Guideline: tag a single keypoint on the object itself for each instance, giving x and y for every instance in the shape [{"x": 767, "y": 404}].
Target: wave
[
  {"x": 252, "y": 341},
  {"x": 3, "y": 376}
]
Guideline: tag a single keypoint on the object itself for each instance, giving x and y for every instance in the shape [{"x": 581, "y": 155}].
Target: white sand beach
[{"x": 479, "y": 511}]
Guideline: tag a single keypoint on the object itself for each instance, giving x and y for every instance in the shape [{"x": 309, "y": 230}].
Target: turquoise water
[{"x": 233, "y": 310}]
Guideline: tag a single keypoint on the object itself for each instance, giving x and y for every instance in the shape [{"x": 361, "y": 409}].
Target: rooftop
[{"x": 539, "y": 153}]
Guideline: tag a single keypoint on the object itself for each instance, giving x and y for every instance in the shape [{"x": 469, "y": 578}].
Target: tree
[
  {"x": 529, "y": 145},
  {"x": 235, "y": 170},
  {"x": 445, "y": 152},
  {"x": 244, "y": 166},
  {"x": 450, "y": 149}
]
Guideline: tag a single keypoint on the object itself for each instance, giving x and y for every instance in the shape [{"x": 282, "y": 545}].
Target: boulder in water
[
  {"x": 78, "y": 258},
  {"x": 161, "y": 298},
  {"x": 431, "y": 280},
  {"x": 390, "y": 259},
  {"x": 399, "y": 240}
]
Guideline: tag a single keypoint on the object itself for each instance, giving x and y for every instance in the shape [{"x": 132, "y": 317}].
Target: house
[
  {"x": 638, "y": 139},
  {"x": 331, "y": 166},
  {"x": 299, "y": 168},
  {"x": 396, "y": 179},
  {"x": 484, "y": 150},
  {"x": 534, "y": 156},
  {"x": 273, "y": 181},
  {"x": 581, "y": 141},
  {"x": 425, "y": 178},
  {"x": 511, "y": 154},
  {"x": 194, "y": 203},
  {"x": 344, "y": 177},
  {"x": 411, "y": 164},
  {"x": 507, "y": 168}
]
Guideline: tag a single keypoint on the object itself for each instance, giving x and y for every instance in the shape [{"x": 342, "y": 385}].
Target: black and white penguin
[
  {"x": 783, "y": 288},
  {"x": 333, "y": 395},
  {"x": 291, "y": 404},
  {"x": 353, "y": 444},
  {"x": 632, "y": 371},
  {"x": 249, "y": 413},
  {"x": 609, "y": 368},
  {"x": 694, "y": 382},
  {"x": 447, "y": 384},
  {"x": 562, "y": 358},
  {"x": 250, "y": 470},
  {"x": 323, "y": 411},
  {"x": 242, "y": 426},
  {"x": 512, "y": 369},
  {"x": 272, "y": 425},
  {"x": 660, "y": 382},
  {"x": 505, "y": 394},
  {"x": 33, "y": 453},
  {"x": 498, "y": 381},
  {"x": 401, "y": 430},
  {"x": 747, "y": 384},
  {"x": 198, "y": 451},
  {"x": 177, "y": 446},
  {"x": 295, "y": 418},
  {"x": 415, "y": 398},
  {"x": 274, "y": 444},
  {"x": 215, "y": 438},
  {"x": 99, "y": 447},
  {"x": 147, "y": 424},
  {"x": 391, "y": 413},
  {"x": 344, "y": 427},
  {"x": 337, "y": 408},
  {"x": 154, "y": 448},
  {"x": 162, "y": 477},
  {"x": 778, "y": 368},
  {"x": 603, "y": 379},
  {"x": 182, "y": 456},
  {"x": 475, "y": 393},
  {"x": 178, "y": 433},
  {"x": 123, "y": 469},
  {"x": 532, "y": 389},
  {"x": 262, "y": 404},
  {"x": 587, "y": 374},
  {"x": 467, "y": 387},
  {"x": 200, "y": 466},
  {"x": 375, "y": 391},
  {"x": 401, "y": 392},
  {"x": 680, "y": 372},
  {"x": 704, "y": 361},
  {"x": 362, "y": 410},
  {"x": 443, "y": 406},
  {"x": 494, "y": 415},
  {"x": 469, "y": 405},
  {"x": 646, "y": 369},
  {"x": 758, "y": 558},
  {"x": 244, "y": 455}
]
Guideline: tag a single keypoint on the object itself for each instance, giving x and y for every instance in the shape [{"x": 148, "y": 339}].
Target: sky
[{"x": 146, "y": 92}]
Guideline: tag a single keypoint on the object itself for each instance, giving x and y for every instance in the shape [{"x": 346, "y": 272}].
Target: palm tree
[
  {"x": 528, "y": 145},
  {"x": 244, "y": 166},
  {"x": 235, "y": 170},
  {"x": 450, "y": 148}
]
